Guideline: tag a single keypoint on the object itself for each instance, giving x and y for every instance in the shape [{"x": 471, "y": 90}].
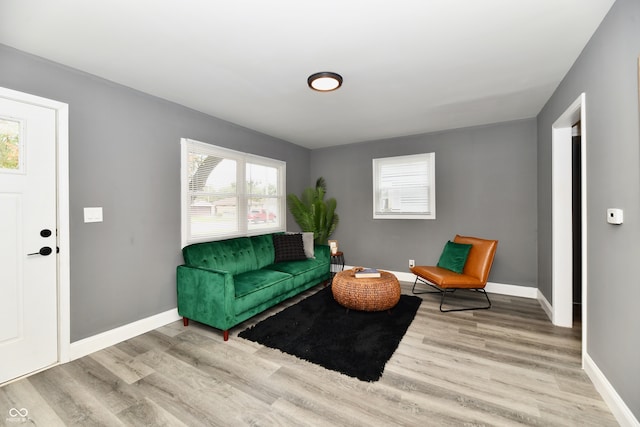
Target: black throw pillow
[{"x": 288, "y": 247}]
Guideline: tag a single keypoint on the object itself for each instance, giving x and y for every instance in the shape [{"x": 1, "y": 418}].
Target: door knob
[
  {"x": 45, "y": 233},
  {"x": 44, "y": 251}
]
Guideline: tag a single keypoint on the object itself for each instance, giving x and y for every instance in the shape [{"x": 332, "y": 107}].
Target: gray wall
[
  {"x": 607, "y": 72},
  {"x": 124, "y": 154},
  {"x": 485, "y": 187}
]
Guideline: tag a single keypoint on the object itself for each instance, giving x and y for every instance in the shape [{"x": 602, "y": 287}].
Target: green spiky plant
[{"x": 313, "y": 213}]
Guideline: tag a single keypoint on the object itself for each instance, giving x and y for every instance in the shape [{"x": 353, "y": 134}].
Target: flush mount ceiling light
[{"x": 325, "y": 81}]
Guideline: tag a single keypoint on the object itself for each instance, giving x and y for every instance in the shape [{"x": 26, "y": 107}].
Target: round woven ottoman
[{"x": 366, "y": 294}]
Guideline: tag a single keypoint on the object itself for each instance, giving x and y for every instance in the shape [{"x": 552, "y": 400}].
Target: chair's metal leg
[
  {"x": 413, "y": 290},
  {"x": 443, "y": 293},
  {"x": 468, "y": 308},
  {"x": 487, "y": 297},
  {"x": 442, "y": 299}
]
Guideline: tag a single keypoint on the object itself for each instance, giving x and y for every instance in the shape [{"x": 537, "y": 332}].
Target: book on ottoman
[{"x": 367, "y": 273}]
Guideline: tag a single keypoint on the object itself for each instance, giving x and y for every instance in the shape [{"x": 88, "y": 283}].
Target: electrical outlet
[{"x": 412, "y": 263}]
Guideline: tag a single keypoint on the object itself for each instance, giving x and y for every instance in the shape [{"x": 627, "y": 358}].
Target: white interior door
[{"x": 28, "y": 256}]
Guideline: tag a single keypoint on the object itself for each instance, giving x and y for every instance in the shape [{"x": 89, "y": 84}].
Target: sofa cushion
[
  {"x": 302, "y": 271},
  {"x": 252, "y": 281},
  {"x": 288, "y": 247},
  {"x": 252, "y": 288},
  {"x": 233, "y": 255},
  {"x": 264, "y": 250}
]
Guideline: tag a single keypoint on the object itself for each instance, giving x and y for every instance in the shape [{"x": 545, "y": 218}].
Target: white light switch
[
  {"x": 92, "y": 214},
  {"x": 614, "y": 216}
]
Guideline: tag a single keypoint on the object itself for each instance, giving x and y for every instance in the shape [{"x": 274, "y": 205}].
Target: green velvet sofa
[{"x": 224, "y": 283}]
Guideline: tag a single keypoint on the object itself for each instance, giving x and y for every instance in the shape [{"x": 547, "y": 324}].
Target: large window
[
  {"x": 227, "y": 193},
  {"x": 404, "y": 187}
]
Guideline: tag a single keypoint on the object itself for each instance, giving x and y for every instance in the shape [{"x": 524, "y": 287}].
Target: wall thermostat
[{"x": 614, "y": 216}]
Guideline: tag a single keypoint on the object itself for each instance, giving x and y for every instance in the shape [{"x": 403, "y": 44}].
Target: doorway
[
  {"x": 563, "y": 220},
  {"x": 576, "y": 208},
  {"x": 35, "y": 222}
]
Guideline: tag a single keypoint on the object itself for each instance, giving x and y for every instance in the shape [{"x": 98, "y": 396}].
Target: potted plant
[{"x": 313, "y": 213}]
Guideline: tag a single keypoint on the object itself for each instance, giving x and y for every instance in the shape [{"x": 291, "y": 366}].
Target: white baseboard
[
  {"x": 512, "y": 290},
  {"x": 402, "y": 276},
  {"x": 544, "y": 303},
  {"x": 620, "y": 410},
  {"x": 114, "y": 336}
]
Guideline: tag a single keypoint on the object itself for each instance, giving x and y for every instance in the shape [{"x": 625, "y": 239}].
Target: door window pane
[{"x": 9, "y": 144}]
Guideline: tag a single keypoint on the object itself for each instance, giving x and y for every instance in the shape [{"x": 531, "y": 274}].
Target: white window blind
[
  {"x": 226, "y": 193},
  {"x": 404, "y": 187}
]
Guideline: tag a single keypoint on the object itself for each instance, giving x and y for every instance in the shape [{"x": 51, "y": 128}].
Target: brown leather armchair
[{"x": 473, "y": 277}]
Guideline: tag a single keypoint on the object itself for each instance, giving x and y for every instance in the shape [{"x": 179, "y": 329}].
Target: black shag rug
[{"x": 318, "y": 329}]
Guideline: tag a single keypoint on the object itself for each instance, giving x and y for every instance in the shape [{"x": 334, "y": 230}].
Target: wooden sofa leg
[
  {"x": 225, "y": 335},
  {"x": 185, "y": 321}
]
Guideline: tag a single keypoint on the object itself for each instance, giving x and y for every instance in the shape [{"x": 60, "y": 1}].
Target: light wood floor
[{"x": 506, "y": 366}]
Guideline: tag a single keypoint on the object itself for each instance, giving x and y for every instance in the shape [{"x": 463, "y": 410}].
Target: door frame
[
  {"x": 62, "y": 214},
  {"x": 562, "y": 275}
]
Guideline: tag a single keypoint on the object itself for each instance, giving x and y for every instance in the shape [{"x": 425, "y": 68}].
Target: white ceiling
[{"x": 409, "y": 66}]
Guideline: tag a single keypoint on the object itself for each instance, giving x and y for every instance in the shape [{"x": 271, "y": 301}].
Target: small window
[
  {"x": 10, "y": 147},
  {"x": 227, "y": 193},
  {"x": 404, "y": 187}
]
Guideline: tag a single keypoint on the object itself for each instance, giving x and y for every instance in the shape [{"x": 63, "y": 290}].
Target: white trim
[
  {"x": 512, "y": 290},
  {"x": 64, "y": 256},
  {"x": 184, "y": 196},
  {"x": 546, "y": 306},
  {"x": 562, "y": 275},
  {"x": 620, "y": 410},
  {"x": 114, "y": 336},
  {"x": 62, "y": 168},
  {"x": 583, "y": 218},
  {"x": 402, "y": 276},
  {"x": 561, "y": 227}
]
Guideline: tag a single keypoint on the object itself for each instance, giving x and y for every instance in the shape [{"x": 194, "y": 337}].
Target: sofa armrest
[{"x": 206, "y": 295}]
